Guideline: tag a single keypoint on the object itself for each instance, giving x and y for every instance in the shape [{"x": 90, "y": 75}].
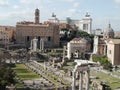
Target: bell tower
[{"x": 37, "y": 16}]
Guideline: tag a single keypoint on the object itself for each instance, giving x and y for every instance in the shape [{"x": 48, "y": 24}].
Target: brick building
[
  {"x": 6, "y": 34},
  {"x": 26, "y": 31}
]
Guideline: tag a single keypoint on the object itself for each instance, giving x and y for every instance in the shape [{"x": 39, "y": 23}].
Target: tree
[
  {"x": 6, "y": 75},
  {"x": 103, "y": 61},
  {"x": 71, "y": 35},
  {"x": 84, "y": 34}
]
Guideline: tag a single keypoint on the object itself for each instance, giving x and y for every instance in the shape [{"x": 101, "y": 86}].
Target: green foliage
[
  {"x": 64, "y": 29},
  {"x": 103, "y": 61},
  {"x": 6, "y": 75},
  {"x": 84, "y": 34},
  {"x": 71, "y": 35}
]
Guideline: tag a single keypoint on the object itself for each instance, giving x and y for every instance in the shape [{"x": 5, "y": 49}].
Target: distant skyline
[{"x": 101, "y": 11}]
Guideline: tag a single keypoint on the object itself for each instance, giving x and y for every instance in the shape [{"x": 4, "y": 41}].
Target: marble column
[
  {"x": 44, "y": 65},
  {"x": 41, "y": 44},
  {"x": 73, "y": 80},
  {"x": 81, "y": 80},
  {"x": 31, "y": 45},
  {"x": 35, "y": 44},
  {"x": 88, "y": 79},
  {"x": 104, "y": 49},
  {"x": 63, "y": 59}
]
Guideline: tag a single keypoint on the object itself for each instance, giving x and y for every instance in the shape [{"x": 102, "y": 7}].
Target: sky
[{"x": 102, "y": 11}]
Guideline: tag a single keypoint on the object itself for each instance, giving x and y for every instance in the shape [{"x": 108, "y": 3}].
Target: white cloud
[
  {"x": 117, "y": 1},
  {"x": 76, "y": 4},
  {"x": 26, "y": 1},
  {"x": 30, "y": 1},
  {"x": 70, "y": 12},
  {"x": 4, "y": 3},
  {"x": 15, "y": 6},
  {"x": 69, "y": 0}
]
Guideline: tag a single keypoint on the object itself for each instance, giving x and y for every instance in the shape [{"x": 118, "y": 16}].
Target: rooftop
[{"x": 114, "y": 41}]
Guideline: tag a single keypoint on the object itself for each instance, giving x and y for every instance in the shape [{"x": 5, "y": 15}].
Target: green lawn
[
  {"x": 69, "y": 66},
  {"x": 23, "y": 73},
  {"x": 111, "y": 81}
]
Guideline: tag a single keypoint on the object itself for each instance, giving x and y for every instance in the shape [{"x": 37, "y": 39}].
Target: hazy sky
[{"x": 101, "y": 11}]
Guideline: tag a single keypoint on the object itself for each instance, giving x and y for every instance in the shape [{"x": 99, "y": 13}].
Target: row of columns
[
  {"x": 81, "y": 73},
  {"x": 34, "y": 44}
]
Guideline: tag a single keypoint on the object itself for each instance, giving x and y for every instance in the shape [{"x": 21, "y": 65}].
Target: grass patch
[
  {"x": 18, "y": 85},
  {"x": 23, "y": 73},
  {"x": 111, "y": 81},
  {"x": 69, "y": 66}
]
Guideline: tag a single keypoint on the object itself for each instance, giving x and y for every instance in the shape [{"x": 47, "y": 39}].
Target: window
[
  {"x": 38, "y": 38},
  {"x": 49, "y": 38},
  {"x": 28, "y": 38},
  {"x": 85, "y": 26}
]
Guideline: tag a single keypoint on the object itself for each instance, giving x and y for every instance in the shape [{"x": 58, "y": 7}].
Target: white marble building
[
  {"x": 98, "y": 32},
  {"x": 85, "y": 24}
]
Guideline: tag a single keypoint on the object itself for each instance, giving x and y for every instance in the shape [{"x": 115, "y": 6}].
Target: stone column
[
  {"x": 73, "y": 80},
  {"x": 104, "y": 49},
  {"x": 81, "y": 80},
  {"x": 88, "y": 79},
  {"x": 63, "y": 59},
  {"x": 41, "y": 45},
  {"x": 31, "y": 45},
  {"x": 44, "y": 65},
  {"x": 35, "y": 44},
  {"x": 68, "y": 50}
]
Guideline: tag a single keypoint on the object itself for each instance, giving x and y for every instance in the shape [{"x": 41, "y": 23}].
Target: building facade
[
  {"x": 6, "y": 34},
  {"x": 113, "y": 51},
  {"x": 85, "y": 24},
  {"x": 48, "y": 31},
  {"x": 100, "y": 42},
  {"x": 77, "y": 48},
  {"x": 108, "y": 46},
  {"x": 100, "y": 46},
  {"x": 98, "y": 32}
]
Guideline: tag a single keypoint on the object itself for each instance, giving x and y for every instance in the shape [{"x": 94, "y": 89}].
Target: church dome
[
  {"x": 36, "y": 9},
  {"x": 109, "y": 29},
  {"x": 109, "y": 32}
]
